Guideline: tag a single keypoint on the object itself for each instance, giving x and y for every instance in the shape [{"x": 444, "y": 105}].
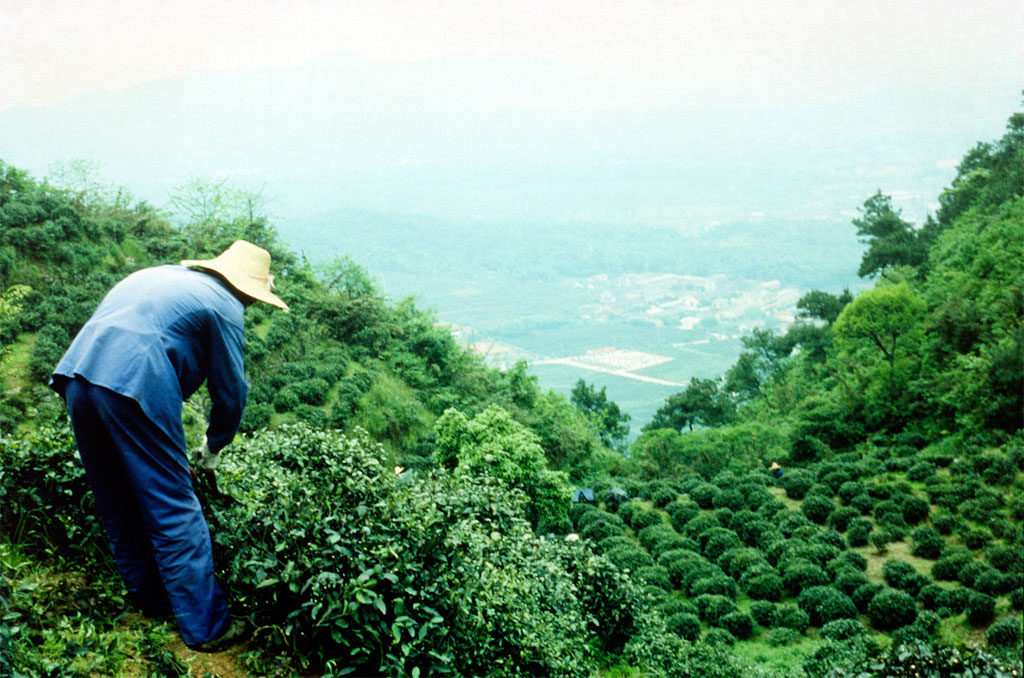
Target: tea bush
[
  {"x": 841, "y": 629},
  {"x": 353, "y": 568},
  {"x": 685, "y": 625},
  {"x": 1005, "y": 632},
  {"x": 740, "y": 625},
  {"x": 890, "y": 609},
  {"x": 980, "y": 608},
  {"x": 47, "y": 502},
  {"x": 824, "y": 604},
  {"x": 792, "y": 617}
]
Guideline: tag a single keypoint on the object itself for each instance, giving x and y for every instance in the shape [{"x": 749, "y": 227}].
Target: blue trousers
[{"x": 139, "y": 475}]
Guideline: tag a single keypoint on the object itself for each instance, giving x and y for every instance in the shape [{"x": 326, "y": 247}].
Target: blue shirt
[{"x": 156, "y": 336}]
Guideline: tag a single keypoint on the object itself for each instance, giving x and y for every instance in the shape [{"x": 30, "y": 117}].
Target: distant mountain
[{"x": 505, "y": 136}]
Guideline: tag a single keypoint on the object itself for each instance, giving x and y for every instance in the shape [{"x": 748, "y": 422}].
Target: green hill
[{"x": 892, "y": 539}]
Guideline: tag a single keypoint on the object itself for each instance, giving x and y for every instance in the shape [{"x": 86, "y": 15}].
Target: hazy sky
[{"x": 658, "y": 51}]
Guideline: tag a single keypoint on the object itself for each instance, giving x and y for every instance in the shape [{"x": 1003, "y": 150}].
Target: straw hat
[{"x": 246, "y": 267}]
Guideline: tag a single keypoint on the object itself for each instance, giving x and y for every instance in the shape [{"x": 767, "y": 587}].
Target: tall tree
[
  {"x": 701, "y": 403},
  {"x": 884, "y": 317},
  {"x": 612, "y": 423},
  {"x": 891, "y": 241}
]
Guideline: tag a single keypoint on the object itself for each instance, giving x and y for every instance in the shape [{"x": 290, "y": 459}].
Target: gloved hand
[{"x": 204, "y": 459}]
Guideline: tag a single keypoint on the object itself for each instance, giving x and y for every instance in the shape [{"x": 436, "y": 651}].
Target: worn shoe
[{"x": 236, "y": 633}]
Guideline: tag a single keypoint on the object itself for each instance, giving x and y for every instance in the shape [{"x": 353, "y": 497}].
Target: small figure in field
[
  {"x": 776, "y": 470},
  {"x": 154, "y": 339}
]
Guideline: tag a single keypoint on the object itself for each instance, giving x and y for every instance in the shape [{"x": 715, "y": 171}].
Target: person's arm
[{"x": 225, "y": 379}]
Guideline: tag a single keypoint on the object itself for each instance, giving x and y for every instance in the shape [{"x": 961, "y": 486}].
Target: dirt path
[{"x": 224, "y": 664}]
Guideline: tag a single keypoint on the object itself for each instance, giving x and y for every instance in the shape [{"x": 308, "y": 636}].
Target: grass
[
  {"x": 64, "y": 621},
  {"x": 780, "y": 494},
  {"x": 897, "y": 550},
  {"x": 785, "y": 660},
  {"x": 14, "y": 363}
]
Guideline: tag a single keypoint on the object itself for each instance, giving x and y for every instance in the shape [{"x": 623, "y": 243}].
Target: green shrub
[
  {"x": 817, "y": 508},
  {"x": 927, "y": 620},
  {"x": 980, "y": 608},
  {"x": 1017, "y": 598},
  {"x": 915, "y": 582},
  {"x": 664, "y": 496},
  {"x": 765, "y": 587},
  {"x": 849, "y": 580},
  {"x": 732, "y": 499},
  {"x": 824, "y": 604},
  {"x": 719, "y": 585},
  {"x": 797, "y": 483},
  {"x": 947, "y": 567},
  {"x": 653, "y": 575},
  {"x": 675, "y": 606},
  {"x": 651, "y": 535},
  {"x": 891, "y": 609},
  {"x": 311, "y": 391},
  {"x": 802, "y": 574},
  {"x": 286, "y": 400},
  {"x": 889, "y": 513},
  {"x": 600, "y": 530},
  {"x": 854, "y": 559},
  {"x": 831, "y": 539},
  {"x": 312, "y": 416},
  {"x": 738, "y": 624},
  {"x": 627, "y": 509},
  {"x": 841, "y": 629},
  {"x": 926, "y": 543},
  {"x": 681, "y": 512},
  {"x": 1004, "y": 633},
  {"x": 696, "y": 571},
  {"x": 848, "y": 490},
  {"x": 840, "y": 518},
  {"x": 718, "y": 637},
  {"x": 713, "y": 607},
  {"x": 976, "y": 538},
  {"x": 921, "y": 471},
  {"x": 684, "y": 625},
  {"x": 928, "y": 596},
  {"x": 863, "y": 595},
  {"x": 629, "y": 557},
  {"x": 857, "y": 532},
  {"x": 670, "y": 542},
  {"x": 704, "y": 495},
  {"x": 664, "y": 654},
  {"x": 945, "y": 523},
  {"x": 993, "y": 582},
  {"x": 47, "y": 504},
  {"x": 717, "y": 541},
  {"x": 645, "y": 518},
  {"x": 700, "y": 524},
  {"x": 735, "y": 561},
  {"x": 780, "y": 637},
  {"x": 615, "y": 541},
  {"x": 327, "y": 542},
  {"x": 915, "y": 509},
  {"x": 763, "y": 612},
  {"x": 894, "y": 572},
  {"x": 970, "y": 572},
  {"x": 582, "y": 519},
  {"x": 792, "y": 617},
  {"x": 919, "y": 658},
  {"x": 864, "y": 503},
  {"x": 955, "y": 600},
  {"x": 257, "y": 416}
]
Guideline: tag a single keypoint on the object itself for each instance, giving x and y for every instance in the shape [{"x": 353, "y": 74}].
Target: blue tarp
[{"x": 585, "y": 493}]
